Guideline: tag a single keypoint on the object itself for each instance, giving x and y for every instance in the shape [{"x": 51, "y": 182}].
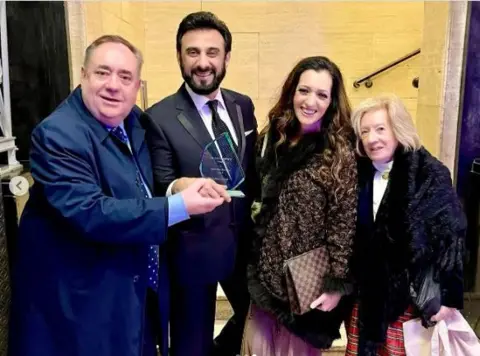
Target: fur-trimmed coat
[
  {"x": 301, "y": 211},
  {"x": 420, "y": 224}
]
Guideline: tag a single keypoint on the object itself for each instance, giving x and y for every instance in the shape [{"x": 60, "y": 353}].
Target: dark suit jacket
[
  {"x": 204, "y": 248},
  {"x": 79, "y": 278}
]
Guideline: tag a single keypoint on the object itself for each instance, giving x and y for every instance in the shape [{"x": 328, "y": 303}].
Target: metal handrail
[{"x": 367, "y": 78}]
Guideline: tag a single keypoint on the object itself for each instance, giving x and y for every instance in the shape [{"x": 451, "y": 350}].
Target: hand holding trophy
[{"x": 220, "y": 162}]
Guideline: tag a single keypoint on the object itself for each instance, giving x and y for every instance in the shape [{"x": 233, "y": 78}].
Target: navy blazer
[
  {"x": 79, "y": 276},
  {"x": 204, "y": 249}
]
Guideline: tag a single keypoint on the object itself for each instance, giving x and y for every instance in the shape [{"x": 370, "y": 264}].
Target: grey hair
[{"x": 113, "y": 39}]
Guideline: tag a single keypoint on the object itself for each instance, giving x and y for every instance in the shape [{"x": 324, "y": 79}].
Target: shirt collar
[
  {"x": 110, "y": 128},
  {"x": 200, "y": 101},
  {"x": 383, "y": 167}
]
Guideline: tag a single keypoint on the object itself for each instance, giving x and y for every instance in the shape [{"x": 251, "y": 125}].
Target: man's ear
[
  {"x": 227, "y": 59},
  {"x": 138, "y": 83},
  {"x": 179, "y": 58}
]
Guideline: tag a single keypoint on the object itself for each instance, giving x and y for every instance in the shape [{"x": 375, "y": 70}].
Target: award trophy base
[{"x": 236, "y": 193}]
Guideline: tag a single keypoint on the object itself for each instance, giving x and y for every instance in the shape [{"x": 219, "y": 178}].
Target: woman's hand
[
  {"x": 443, "y": 313},
  {"x": 326, "y": 302}
]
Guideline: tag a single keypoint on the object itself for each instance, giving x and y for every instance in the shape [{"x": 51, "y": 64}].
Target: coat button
[{"x": 136, "y": 278}]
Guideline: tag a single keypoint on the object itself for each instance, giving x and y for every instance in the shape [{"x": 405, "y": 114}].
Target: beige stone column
[
  {"x": 76, "y": 38},
  {"x": 453, "y": 85}
]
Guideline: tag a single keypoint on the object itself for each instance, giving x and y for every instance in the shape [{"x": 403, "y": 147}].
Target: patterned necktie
[
  {"x": 218, "y": 125},
  {"x": 119, "y": 133}
]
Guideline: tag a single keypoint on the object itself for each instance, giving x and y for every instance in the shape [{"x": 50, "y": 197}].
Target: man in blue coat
[{"x": 89, "y": 277}]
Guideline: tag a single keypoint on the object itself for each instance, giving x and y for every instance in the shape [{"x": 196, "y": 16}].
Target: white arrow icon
[{"x": 18, "y": 186}]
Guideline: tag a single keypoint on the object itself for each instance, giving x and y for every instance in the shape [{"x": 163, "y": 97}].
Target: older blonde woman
[{"x": 410, "y": 230}]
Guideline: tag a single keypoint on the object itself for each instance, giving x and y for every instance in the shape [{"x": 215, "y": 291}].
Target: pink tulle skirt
[{"x": 265, "y": 336}]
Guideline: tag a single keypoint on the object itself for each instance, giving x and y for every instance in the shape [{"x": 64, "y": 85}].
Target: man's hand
[
  {"x": 326, "y": 302},
  {"x": 182, "y": 184},
  {"x": 203, "y": 195},
  {"x": 210, "y": 188},
  {"x": 443, "y": 313}
]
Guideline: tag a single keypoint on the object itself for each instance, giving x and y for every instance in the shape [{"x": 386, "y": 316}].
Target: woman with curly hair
[
  {"x": 410, "y": 232},
  {"x": 308, "y": 172}
]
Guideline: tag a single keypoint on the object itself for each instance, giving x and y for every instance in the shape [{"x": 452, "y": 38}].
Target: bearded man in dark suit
[{"x": 210, "y": 248}]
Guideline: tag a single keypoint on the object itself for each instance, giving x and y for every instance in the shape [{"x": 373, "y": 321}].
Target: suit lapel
[
  {"x": 190, "y": 118},
  {"x": 137, "y": 141},
  {"x": 235, "y": 113},
  {"x": 137, "y": 135},
  {"x": 365, "y": 199}
]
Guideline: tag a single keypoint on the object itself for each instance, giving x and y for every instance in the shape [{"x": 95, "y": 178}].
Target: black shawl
[{"x": 419, "y": 224}]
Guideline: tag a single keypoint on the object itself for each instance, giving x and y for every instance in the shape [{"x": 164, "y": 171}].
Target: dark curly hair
[{"x": 336, "y": 127}]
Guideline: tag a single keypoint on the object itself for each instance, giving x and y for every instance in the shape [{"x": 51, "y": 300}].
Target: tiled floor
[{"x": 218, "y": 326}]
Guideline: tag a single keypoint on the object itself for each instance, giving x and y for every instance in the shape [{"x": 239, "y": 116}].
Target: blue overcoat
[{"x": 80, "y": 262}]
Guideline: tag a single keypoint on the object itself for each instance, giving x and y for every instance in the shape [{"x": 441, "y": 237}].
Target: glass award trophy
[{"x": 220, "y": 162}]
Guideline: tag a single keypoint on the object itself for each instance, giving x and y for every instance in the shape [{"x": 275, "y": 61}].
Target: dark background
[{"x": 39, "y": 65}]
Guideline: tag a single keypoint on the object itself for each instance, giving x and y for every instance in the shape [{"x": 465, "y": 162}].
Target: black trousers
[
  {"x": 192, "y": 319},
  {"x": 229, "y": 341},
  {"x": 152, "y": 325}
]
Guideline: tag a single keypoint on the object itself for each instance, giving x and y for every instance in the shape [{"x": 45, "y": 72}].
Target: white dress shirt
[
  {"x": 380, "y": 184},
  {"x": 203, "y": 109}
]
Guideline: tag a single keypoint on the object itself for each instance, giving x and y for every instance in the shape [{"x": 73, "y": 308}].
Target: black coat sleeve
[{"x": 447, "y": 229}]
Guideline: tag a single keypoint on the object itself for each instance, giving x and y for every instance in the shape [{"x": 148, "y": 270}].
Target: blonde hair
[
  {"x": 113, "y": 39},
  {"x": 400, "y": 120}
]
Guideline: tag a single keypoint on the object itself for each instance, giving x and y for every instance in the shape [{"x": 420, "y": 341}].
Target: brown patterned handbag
[{"x": 304, "y": 276}]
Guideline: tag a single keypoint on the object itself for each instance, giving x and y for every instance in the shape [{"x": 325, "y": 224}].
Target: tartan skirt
[{"x": 394, "y": 344}]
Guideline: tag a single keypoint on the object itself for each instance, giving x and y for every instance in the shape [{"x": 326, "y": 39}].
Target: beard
[{"x": 204, "y": 87}]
